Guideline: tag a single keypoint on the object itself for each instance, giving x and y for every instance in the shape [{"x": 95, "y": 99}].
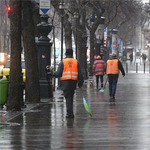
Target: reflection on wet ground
[{"x": 121, "y": 126}]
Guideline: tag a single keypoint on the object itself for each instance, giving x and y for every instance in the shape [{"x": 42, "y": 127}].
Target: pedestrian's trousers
[
  {"x": 112, "y": 86},
  {"x": 69, "y": 101},
  {"x": 97, "y": 80}
]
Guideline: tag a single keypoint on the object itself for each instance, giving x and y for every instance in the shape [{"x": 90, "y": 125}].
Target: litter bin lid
[{"x": 4, "y": 80}]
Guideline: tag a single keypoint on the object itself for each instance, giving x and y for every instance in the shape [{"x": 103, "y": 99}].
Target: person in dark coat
[
  {"x": 112, "y": 70},
  {"x": 70, "y": 74},
  {"x": 131, "y": 57},
  {"x": 144, "y": 57}
]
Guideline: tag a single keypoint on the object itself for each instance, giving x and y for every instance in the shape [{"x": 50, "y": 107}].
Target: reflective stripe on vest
[
  {"x": 70, "y": 69},
  {"x": 112, "y": 67}
]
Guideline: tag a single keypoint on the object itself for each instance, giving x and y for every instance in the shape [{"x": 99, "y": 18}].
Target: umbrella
[{"x": 85, "y": 104}]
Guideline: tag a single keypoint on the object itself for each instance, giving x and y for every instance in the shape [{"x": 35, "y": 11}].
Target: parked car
[{"x": 6, "y": 69}]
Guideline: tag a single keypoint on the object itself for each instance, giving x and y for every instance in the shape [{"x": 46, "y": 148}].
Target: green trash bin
[{"x": 3, "y": 90}]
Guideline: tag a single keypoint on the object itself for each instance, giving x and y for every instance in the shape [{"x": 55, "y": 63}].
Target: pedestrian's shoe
[
  {"x": 111, "y": 98},
  {"x": 97, "y": 86},
  {"x": 69, "y": 116}
]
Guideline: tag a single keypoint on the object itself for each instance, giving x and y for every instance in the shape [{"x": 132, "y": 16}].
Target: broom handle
[
  {"x": 93, "y": 79},
  {"x": 105, "y": 81},
  {"x": 82, "y": 92}
]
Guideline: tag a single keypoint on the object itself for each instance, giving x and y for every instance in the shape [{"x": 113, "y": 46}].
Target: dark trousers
[
  {"x": 97, "y": 80},
  {"x": 112, "y": 86},
  {"x": 68, "y": 94}
]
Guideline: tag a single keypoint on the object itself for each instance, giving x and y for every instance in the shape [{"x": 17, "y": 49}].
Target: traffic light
[{"x": 9, "y": 11}]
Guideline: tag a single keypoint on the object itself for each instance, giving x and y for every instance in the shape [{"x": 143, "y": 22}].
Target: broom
[
  {"x": 103, "y": 88},
  {"x": 85, "y": 104}
]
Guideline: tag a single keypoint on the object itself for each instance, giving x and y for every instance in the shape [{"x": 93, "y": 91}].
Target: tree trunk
[
  {"x": 68, "y": 33},
  {"x": 36, "y": 17},
  {"x": 13, "y": 102},
  {"x": 32, "y": 73},
  {"x": 79, "y": 43}
]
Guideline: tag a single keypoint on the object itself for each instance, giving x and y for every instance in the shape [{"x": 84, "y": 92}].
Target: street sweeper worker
[
  {"x": 113, "y": 69},
  {"x": 70, "y": 74},
  {"x": 99, "y": 69}
]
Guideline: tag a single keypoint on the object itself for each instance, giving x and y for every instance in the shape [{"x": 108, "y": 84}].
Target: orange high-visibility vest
[
  {"x": 70, "y": 69},
  {"x": 112, "y": 67}
]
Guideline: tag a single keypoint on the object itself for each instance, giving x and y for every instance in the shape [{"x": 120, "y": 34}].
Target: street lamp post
[
  {"x": 61, "y": 7},
  {"x": 44, "y": 55},
  {"x": 84, "y": 55},
  {"x": 102, "y": 22},
  {"x": 92, "y": 19},
  {"x": 76, "y": 16}
]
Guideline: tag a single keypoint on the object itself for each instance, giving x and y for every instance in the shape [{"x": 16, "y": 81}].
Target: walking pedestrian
[
  {"x": 131, "y": 57},
  {"x": 99, "y": 69},
  {"x": 112, "y": 70},
  {"x": 70, "y": 74}
]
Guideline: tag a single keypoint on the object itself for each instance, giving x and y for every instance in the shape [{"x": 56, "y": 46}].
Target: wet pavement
[{"x": 124, "y": 125}]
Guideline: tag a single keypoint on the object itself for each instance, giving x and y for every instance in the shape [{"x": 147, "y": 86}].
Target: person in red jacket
[{"x": 99, "y": 68}]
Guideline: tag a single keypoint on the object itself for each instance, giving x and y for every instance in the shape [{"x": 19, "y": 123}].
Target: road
[{"x": 121, "y": 126}]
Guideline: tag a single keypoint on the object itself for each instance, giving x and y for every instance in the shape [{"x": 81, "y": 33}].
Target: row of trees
[
  {"x": 122, "y": 15},
  {"x": 22, "y": 28}
]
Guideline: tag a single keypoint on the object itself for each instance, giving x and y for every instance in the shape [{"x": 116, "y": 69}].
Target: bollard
[
  {"x": 126, "y": 67},
  {"x": 144, "y": 67},
  {"x": 136, "y": 67}
]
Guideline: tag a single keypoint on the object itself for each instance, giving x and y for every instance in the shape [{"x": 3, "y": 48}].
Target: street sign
[{"x": 44, "y": 7}]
